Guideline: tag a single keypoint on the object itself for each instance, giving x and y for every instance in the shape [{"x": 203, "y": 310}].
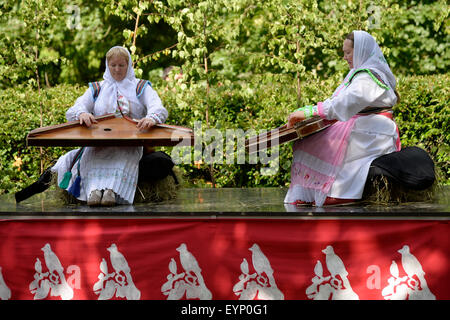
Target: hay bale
[
  {"x": 381, "y": 190},
  {"x": 157, "y": 191}
]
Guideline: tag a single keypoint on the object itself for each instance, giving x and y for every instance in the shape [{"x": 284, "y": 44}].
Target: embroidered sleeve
[
  {"x": 309, "y": 111},
  {"x": 155, "y": 108},
  {"x": 85, "y": 103},
  {"x": 140, "y": 87}
]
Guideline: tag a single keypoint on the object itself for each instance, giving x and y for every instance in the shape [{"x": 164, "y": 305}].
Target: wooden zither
[
  {"x": 283, "y": 134},
  {"x": 110, "y": 131}
]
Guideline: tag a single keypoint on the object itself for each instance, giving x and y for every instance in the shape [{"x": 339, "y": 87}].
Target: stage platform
[
  {"x": 203, "y": 202},
  {"x": 223, "y": 244}
]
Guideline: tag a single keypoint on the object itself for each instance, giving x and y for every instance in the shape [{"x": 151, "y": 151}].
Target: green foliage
[
  {"x": 19, "y": 164},
  {"x": 234, "y": 36},
  {"x": 423, "y": 116},
  {"x": 416, "y": 36},
  {"x": 24, "y": 32},
  {"x": 256, "y": 103},
  {"x": 243, "y": 64}
]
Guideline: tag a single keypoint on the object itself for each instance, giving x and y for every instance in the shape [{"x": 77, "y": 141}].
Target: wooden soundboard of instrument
[
  {"x": 110, "y": 131},
  {"x": 283, "y": 134}
]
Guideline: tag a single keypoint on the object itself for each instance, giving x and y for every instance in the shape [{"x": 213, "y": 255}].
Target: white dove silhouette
[
  {"x": 51, "y": 260},
  {"x": 187, "y": 260},
  {"x": 118, "y": 261},
  {"x": 260, "y": 261},
  {"x": 54, "y": 265},
  {"x": 173, "y": 266},
  {"x": 38, "y": 266},
  {"x": 334, "y": 263},
  {"x": 410, "y": 263},
  {"x": 394, "y": 269},
  {"x": 190, "y": 264},
  {"x": 5, "y": 292},
  {"x": 244, "y": 266},
  {"x": 318, "y": 270}
]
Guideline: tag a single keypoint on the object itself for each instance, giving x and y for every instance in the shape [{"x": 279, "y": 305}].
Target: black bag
[
  {"x": 411, "y": 167},
  {"x": 156, "y": 166},
  {"x": 42, "y": 184}
]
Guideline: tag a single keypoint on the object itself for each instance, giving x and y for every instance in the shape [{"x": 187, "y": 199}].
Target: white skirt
[
  {"x": 372, "y": 136},
  {"x": 115, "y": 168}
]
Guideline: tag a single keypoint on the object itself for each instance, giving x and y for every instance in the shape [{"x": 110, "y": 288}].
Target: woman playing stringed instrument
[
  {"x": 331, "y": 167},
  {"x": 108, "y": 175}
]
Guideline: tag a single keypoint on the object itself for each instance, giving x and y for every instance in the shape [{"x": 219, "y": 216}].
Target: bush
[
  {"x": 20, "y": 113},
  {"x": 423, "y": 117},
  {"x": 260, "y": 102}
]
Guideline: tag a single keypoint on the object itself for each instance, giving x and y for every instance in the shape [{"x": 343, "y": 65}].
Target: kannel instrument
[
  {"x": 110, "y": 131},
  {"x": 283, "y": 134}
]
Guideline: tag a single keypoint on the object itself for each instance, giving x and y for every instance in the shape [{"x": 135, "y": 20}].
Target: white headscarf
[
  {"x": 368, "y": 55},
  {"x": 110, "y": 89}
]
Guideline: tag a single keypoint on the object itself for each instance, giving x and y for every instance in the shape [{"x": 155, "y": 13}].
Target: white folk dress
[
  {"x": 336, "y": 161},
  {"x": 113, "y": 168},
  {"x": 371, "y": 136}
]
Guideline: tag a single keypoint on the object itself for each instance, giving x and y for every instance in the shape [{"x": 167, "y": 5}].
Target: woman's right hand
[
  {"x": 295, "y": 117},
  {"x": 87, "y": 119}
]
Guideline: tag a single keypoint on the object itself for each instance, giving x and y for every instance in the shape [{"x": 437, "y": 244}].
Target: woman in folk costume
[
  {"x": 331, "y": 167},
  {"x": 108, "y": 175}
]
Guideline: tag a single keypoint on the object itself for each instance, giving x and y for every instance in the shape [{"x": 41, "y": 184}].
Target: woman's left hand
[
  {"x": 295, "y": 117},
  {"x": 145, "y": 124}
]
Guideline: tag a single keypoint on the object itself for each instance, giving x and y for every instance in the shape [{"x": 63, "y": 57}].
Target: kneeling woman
[
  {"x": 331, "y": 167},
  {"x": 108, "y": 175}
]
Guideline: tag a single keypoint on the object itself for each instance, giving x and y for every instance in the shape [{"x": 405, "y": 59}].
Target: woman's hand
[
  {"x": 295, "y": 117},
  {"x": 145, "y": 124},
  {"x": 87, "y": 119}
]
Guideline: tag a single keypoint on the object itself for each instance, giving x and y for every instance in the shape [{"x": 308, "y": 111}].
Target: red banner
[{"x": 224, "y": 258}]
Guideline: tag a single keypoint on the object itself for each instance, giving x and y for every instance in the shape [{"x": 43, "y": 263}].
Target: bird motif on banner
[
  {"x": 334, "y": 263},
  {"x": 261, "y": 284},
  {"x": 51, "y": 260},
  {"x": 189, "y": 283},
  {"x": 118, "y": 283},
  {"x": 410, "y": 263},
  {"x": 5, "y": 292},
  {"x": 335, "y": 286},
  {"x": 244, "y": 266},
  {"x": 260, "y": 261},
  {"x": 117, "y": 259},
  {"x": 394, "y": 269},
  {"x": 187, "y": 260},
  {"x": 38, "y": 266},
  {"x": 54, "y": 279},
  {"x": 318, "y": 269},
  {"x": 411, "y": 286}
]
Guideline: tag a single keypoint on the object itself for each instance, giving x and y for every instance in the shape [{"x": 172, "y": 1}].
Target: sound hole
[{"x": 107, "y": 129}]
